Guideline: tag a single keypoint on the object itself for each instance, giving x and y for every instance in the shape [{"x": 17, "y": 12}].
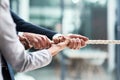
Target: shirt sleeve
[{"x": 11, "y": 48}]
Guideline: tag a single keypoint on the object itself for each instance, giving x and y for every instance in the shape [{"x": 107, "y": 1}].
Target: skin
[
  {"x": 38, "y": 41},
  {"x": 55, "y": 48},
  {"x": 75, "y": 41}
]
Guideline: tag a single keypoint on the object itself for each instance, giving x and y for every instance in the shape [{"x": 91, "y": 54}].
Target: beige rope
[
  {"x": 100, "y": 42},
  {"x": 103, "y": 42}
]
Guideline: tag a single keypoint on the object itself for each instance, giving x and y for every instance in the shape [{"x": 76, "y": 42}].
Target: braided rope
[{"x": 103, "y": 42}]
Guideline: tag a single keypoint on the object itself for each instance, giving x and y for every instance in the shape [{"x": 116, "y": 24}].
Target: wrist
[
  {"x": 20, "y": 33},
  {"x": 57, "y": 35}
]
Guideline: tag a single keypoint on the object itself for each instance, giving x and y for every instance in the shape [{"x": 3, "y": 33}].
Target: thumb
[{"x": 63, "y": 44}]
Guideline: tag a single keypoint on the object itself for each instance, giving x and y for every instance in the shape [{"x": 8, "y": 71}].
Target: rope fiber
[{"x": 103, "y": 42}]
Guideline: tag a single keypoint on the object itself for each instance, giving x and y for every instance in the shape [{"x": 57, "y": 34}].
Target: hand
[
  {"x": 75, "y": 41},
  {"x": 38, "y": 41},
  {"x": 25, "y": 42},
  {"x": 55, "y": 48}
]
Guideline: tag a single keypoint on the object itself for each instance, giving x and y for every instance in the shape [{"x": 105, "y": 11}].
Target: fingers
[
  {"x": 56, "y": 48},
  {"x": 74, "y": 43},
  {"x": 33, "y": 42},
  {"x": 59, "y": 39},
  {"x": 38, "y": 41},
  {"x": 42, "y": 42},
  {"x": 77, "y": 41},
  {"x": 78, "y": 36},
  {"x": 25, "y": 42},
  {"x": 45, "y": 42},
  {"x": 83, "y": 43},
  {"x": 62, "y": 45}
]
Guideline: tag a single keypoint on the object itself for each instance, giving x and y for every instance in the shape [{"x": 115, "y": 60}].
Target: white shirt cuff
[
  {"x": 20, "y": 33},
  {"x": 57, "y": 35}
]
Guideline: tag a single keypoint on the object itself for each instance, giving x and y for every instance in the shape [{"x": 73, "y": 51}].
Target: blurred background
[{"x": 96, "y": 19}]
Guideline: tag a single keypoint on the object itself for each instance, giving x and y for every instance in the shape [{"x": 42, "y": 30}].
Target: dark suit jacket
[{"x": 24, "y": 26}]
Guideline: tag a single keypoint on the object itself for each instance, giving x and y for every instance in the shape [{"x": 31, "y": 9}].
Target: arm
[
  {"x": 76, "y": 42},
  {"x": 24, "y": 26},
  {"x": 12, "y": 49}
]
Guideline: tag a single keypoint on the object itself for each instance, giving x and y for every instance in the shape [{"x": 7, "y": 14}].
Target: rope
[
  {"x": 100, "y": 42},
  {"x": 103, "y": 42}
]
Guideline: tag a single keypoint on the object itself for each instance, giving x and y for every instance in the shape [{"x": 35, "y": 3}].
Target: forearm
[
  {"x": 15, "y": 54},
  {"x": 24, "y": 26},
  {"x": 12, "y": 49}
]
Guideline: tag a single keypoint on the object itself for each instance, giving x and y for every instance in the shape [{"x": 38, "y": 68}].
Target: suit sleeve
[
  {"x": 24, "y": 26},
  {"x": 11, "y": 48}
]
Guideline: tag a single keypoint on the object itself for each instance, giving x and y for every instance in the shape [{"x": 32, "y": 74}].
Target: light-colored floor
[{"x": 75, "y": 72}]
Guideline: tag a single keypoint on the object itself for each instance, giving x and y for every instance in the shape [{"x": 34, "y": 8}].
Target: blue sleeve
[{"x": 24, "y": 26}]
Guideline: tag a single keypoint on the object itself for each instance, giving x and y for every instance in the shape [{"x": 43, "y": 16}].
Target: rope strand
[{"x": 103, "y": 42}]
